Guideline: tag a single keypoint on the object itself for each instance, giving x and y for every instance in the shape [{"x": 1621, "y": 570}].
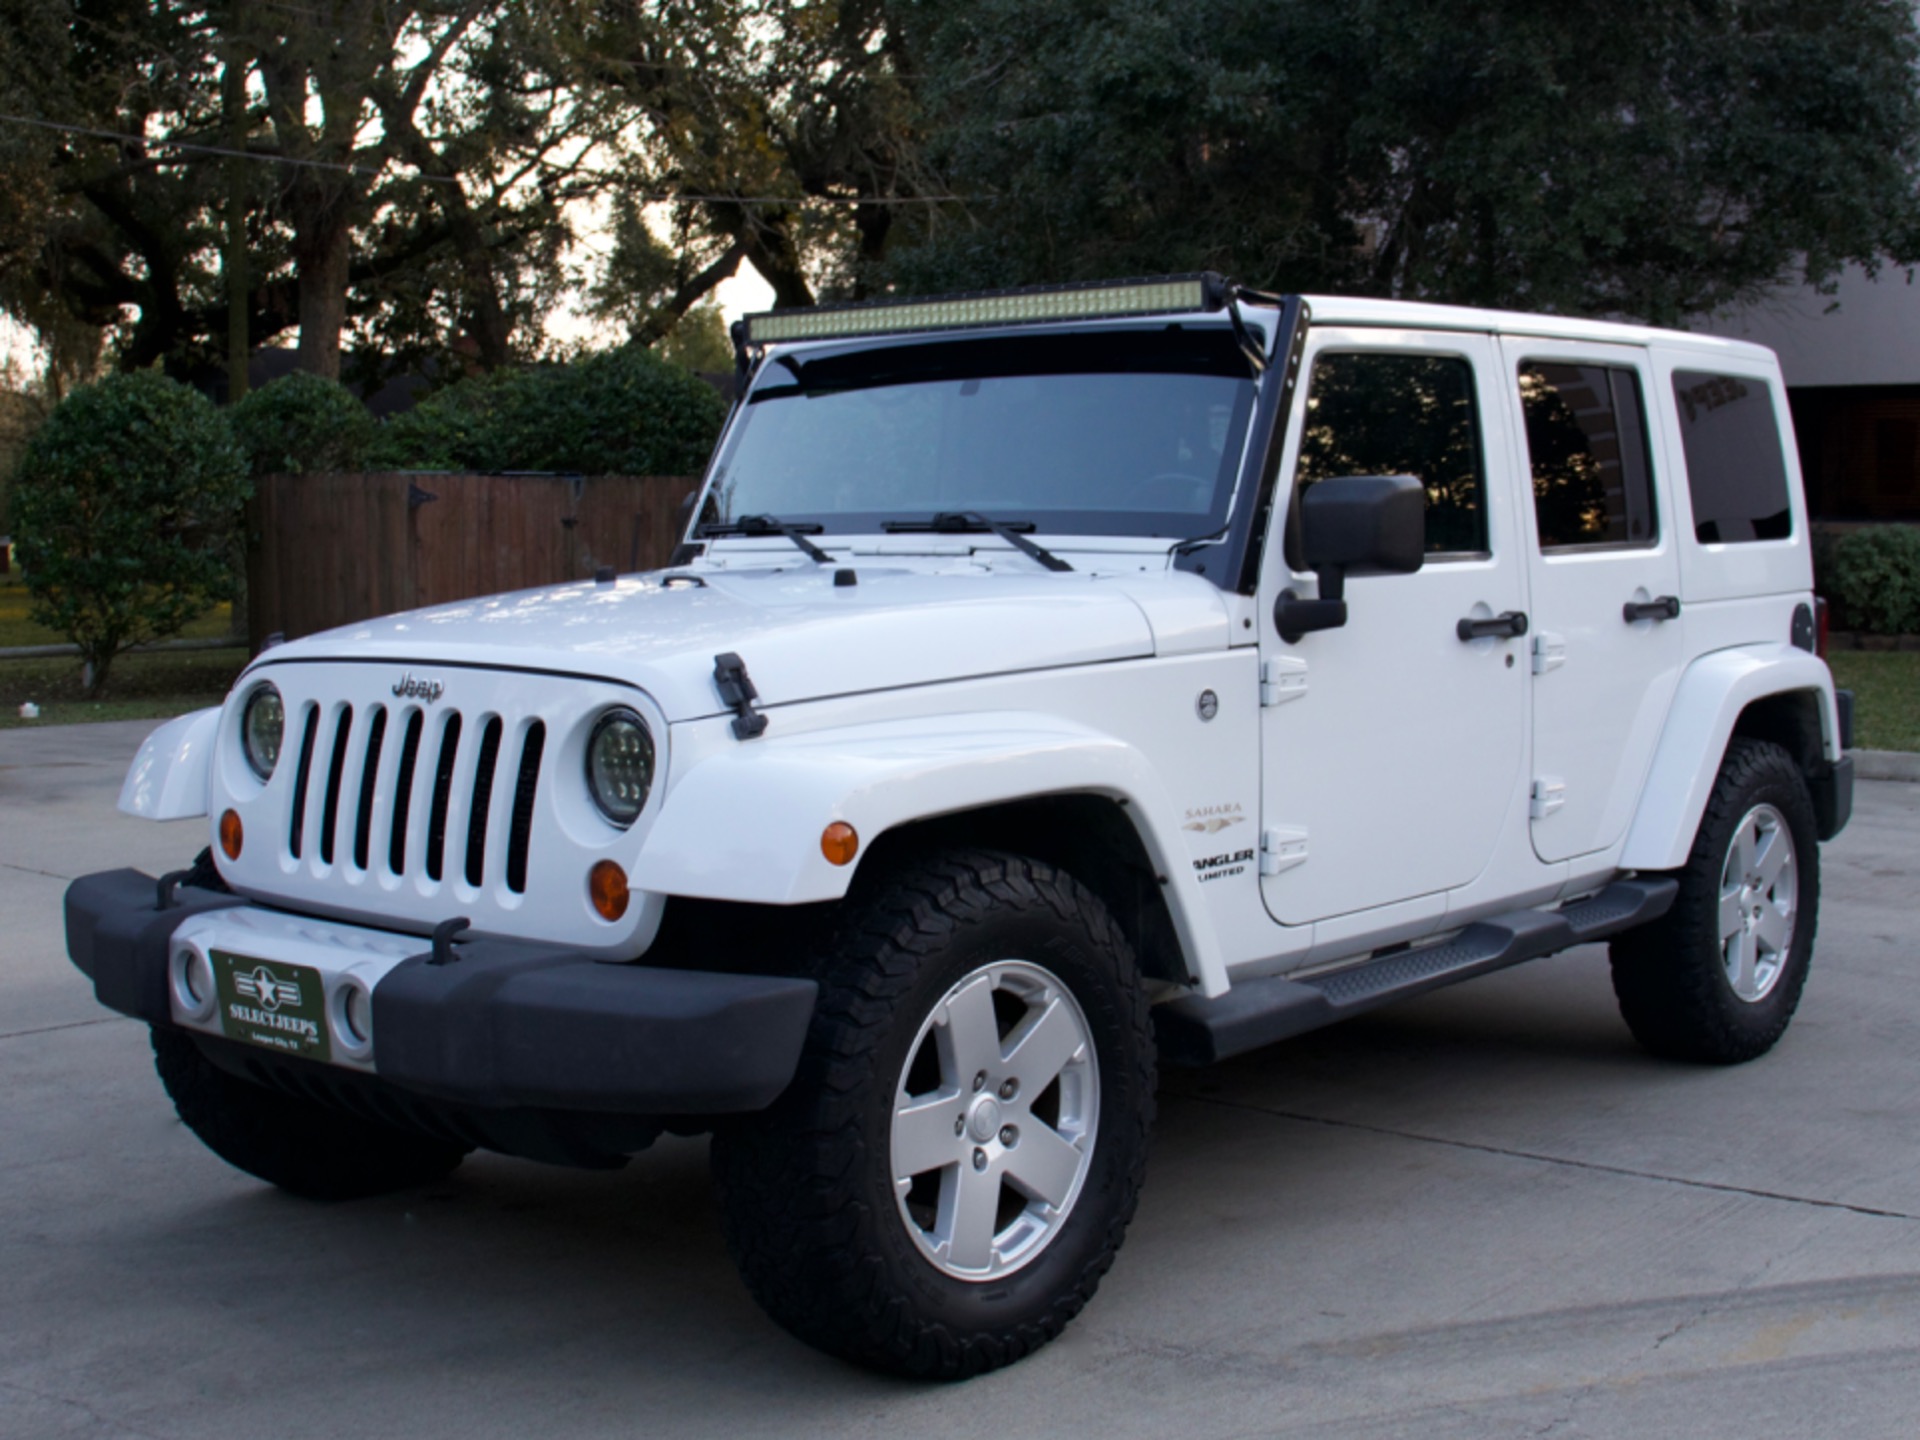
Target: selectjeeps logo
[
  {"x": 266, "y": 989},
  {"x": 410, "y": 689}
]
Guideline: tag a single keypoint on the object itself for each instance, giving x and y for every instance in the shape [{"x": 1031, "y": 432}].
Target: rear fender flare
[{"x": 1706, "y": 707}]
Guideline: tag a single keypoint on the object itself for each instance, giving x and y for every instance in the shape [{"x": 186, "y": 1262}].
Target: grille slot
[
  {"x": 369, "y": 775},
  {"x": 403, "y": 792},
  {"x": 482, "y": 800},
  {"x": 523, "y": 796},
  {"x": 442, "y": 794},
  {"x": 330, "y": 811},
  {"x": 300, "y": 778}
]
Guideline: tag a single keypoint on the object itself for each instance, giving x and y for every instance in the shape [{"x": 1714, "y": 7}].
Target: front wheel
[
  {"x": 1718, "y": 977},
  {"x": 951, "y": 1172}
]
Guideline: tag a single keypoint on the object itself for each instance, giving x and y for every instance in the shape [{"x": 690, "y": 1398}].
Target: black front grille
[{"x": 359, "y": 772}]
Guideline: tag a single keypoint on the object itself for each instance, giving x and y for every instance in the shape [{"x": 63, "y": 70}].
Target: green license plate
[{"x": 272, "y": 1004}]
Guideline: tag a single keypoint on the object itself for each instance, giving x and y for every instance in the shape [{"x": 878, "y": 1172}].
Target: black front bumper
[{"x": 506, "y": 1025}]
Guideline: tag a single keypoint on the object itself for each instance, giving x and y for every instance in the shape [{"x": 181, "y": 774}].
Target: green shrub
[
  {"x": 1871, "y": 576},
  {"x": 124, "y": 512},
  {"x": 303, "y": 422},
  {"x": 618, "y": 412}
]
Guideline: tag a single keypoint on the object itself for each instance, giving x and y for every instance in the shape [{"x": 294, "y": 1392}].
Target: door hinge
[
  {"x": 1549, "y": 651},
  {"x": 1282, "y": 678},
  {"x": 1282, "y": 848},
  {"x": 1549, "y": 794}
]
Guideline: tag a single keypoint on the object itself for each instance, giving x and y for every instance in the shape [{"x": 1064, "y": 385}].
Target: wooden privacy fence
[{"x": 329, "y": 549}]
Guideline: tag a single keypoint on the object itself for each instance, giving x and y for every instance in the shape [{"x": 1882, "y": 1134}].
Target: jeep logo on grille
[{"x": 410, "y": 688}]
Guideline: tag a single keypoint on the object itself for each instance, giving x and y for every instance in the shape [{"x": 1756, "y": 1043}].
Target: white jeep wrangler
[{"x": 1050, "y": 684}]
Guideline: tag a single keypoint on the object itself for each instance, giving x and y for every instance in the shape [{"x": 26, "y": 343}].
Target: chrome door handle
[
  {"x": 1509, "y": 624},
  {"x": 1667, "y": 607}
]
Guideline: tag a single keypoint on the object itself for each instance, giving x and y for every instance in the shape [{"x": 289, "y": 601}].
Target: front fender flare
[
  {"x": 744, "y": 824},
  {"x": 1706, "y": 706},
  {"x": 169, "y": 778}
]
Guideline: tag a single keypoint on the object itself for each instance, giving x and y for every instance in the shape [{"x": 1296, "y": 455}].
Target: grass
[
  {"x": 1886, "y": 696},
  {"x": 156, "y": 685},
  {"x": 17, "y": 629}
]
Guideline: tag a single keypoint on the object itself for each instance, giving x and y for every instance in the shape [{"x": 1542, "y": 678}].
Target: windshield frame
[{"x": 860, "y": 363}]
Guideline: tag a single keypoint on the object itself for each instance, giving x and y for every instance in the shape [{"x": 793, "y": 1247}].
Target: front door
[
  {"x": 1393, "y": 749},
  {"x": 1607, "y": 645}
]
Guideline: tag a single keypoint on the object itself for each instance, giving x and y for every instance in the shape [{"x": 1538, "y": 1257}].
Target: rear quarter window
[{"x": 1736, "y": 473}]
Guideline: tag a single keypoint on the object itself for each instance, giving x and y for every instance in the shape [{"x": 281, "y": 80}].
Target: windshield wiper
[
  {"x": 770, "y": 525},
  {"x": 962, "y": 522}
]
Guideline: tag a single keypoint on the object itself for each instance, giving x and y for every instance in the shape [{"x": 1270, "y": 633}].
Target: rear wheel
[
  {"x": 951, "y": 1172},
  {"x": 1718, "y": 977},
  {"x": 307, "y": 1149}
]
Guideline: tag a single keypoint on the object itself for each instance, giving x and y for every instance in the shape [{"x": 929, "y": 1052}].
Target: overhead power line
[{"x": 651, "y": 197}]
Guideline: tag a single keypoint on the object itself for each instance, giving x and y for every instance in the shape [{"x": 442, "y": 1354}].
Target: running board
[{"x": 1193, "y": 1031}]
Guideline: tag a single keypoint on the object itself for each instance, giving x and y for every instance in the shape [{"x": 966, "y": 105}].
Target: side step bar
[{"x": 1193, "y": 1031}]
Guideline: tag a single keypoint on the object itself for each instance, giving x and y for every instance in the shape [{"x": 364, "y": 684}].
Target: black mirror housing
[
  {"x": 1365, "y": 525},
  {"x": 1353, "y": 525}
]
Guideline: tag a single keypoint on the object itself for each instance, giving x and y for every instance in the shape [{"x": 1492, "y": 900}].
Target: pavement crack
[
  {"x": 30, "y": 870},
  {"x": 49, "y": 1029},
  {"x": 1591, "y": 1165}
]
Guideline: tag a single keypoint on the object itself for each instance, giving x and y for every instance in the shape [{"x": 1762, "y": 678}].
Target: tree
[
  {"x": 124, "y": 512},
  {"x": 1656, "y": 162},
  {"x": 782, "y": 134},
  {"x": 407, "y": 169}
]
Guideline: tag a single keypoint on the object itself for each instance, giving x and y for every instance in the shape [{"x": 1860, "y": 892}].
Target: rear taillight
[{"x": 1820, "y": 627}]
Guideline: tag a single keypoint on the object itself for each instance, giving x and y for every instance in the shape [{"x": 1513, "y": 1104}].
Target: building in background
[{"x": 1852, "y": 366}]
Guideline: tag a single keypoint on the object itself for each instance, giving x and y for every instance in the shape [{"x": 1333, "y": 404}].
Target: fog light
[
  {"x": 192, "y": 983},
  {"x": 353, "y": 1018},
  {"x": 607, "y": 885},
  {"x": 839, "y": 843},
  {"x": 230, "y": 835}
]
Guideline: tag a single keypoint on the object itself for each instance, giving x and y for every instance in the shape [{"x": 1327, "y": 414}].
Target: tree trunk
[{"x": 322, "y": 255}]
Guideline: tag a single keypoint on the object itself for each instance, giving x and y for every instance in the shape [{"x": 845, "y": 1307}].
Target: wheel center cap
[{"x": 983, "y": 1118}]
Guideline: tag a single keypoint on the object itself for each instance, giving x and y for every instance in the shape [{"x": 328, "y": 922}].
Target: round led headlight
[
  {"x": 263, "y": 722},
  {"x": 620, "y": 765}
]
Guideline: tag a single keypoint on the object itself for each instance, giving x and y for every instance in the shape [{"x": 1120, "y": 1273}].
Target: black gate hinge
[{"x": 736, "y": 690}]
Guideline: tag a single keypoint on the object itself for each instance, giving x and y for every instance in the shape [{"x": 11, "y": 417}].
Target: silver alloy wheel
[
  {"x": 1759, "y": 902},
  {"x": 994, "y": 1119}
]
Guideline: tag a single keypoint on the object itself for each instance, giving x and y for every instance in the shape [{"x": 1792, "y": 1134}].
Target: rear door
[{"x": 1608, "y": 639}]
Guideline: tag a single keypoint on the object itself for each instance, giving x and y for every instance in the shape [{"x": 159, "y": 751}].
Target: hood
[{"x": 802, "y": 636}]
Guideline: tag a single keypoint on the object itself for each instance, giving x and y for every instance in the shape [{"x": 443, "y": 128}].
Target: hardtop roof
[{"x": 1422, "y": 315}]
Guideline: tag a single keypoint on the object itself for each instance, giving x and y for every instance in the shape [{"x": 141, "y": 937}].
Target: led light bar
[{"x": 1171, "y": 294}]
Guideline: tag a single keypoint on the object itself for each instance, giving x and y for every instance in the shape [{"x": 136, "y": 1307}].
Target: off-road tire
[
  {"x": 306, "y": 1149},
  {"x": 1668, "y": 975},
  {"x": 805, "y": 1187}
]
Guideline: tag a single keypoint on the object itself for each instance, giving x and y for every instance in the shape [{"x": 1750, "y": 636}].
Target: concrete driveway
[{"x": 1479, "y": 1214}]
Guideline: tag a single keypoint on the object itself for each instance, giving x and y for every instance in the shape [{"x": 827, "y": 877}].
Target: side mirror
[{"x": 1358, "y": 525}]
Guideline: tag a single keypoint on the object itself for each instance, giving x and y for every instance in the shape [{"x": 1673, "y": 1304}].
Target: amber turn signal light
[
  {"x": 230, "y": 835},
  {"x": 839, "y": 843},
  {"x": 607, "y": 885}
]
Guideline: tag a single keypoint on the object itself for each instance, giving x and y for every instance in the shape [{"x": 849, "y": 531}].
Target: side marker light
[
  {"x": 607, "y": 887},
  {"x": 839, "y": 843},
  {"x": 230, "y": 835}
]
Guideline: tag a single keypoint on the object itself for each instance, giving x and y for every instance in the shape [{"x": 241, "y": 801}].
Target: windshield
[{"x": 1109, "y": 432}]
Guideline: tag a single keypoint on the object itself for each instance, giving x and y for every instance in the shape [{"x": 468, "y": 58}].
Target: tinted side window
[
  {"x": 1735, "y": 471},
  {"x": 1376, "y": 414},
  {"x": 1588, "y": 446}
]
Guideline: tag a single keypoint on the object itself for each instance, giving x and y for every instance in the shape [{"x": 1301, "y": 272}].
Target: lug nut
[
  {"x": 979, "y": 1159},
  {"x": 959, "y": 1124},
  {"x": 980, "y": 1081},
  {"x": 1009, "y": 1089},
  {"x": 1009, "y": 1135}
]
